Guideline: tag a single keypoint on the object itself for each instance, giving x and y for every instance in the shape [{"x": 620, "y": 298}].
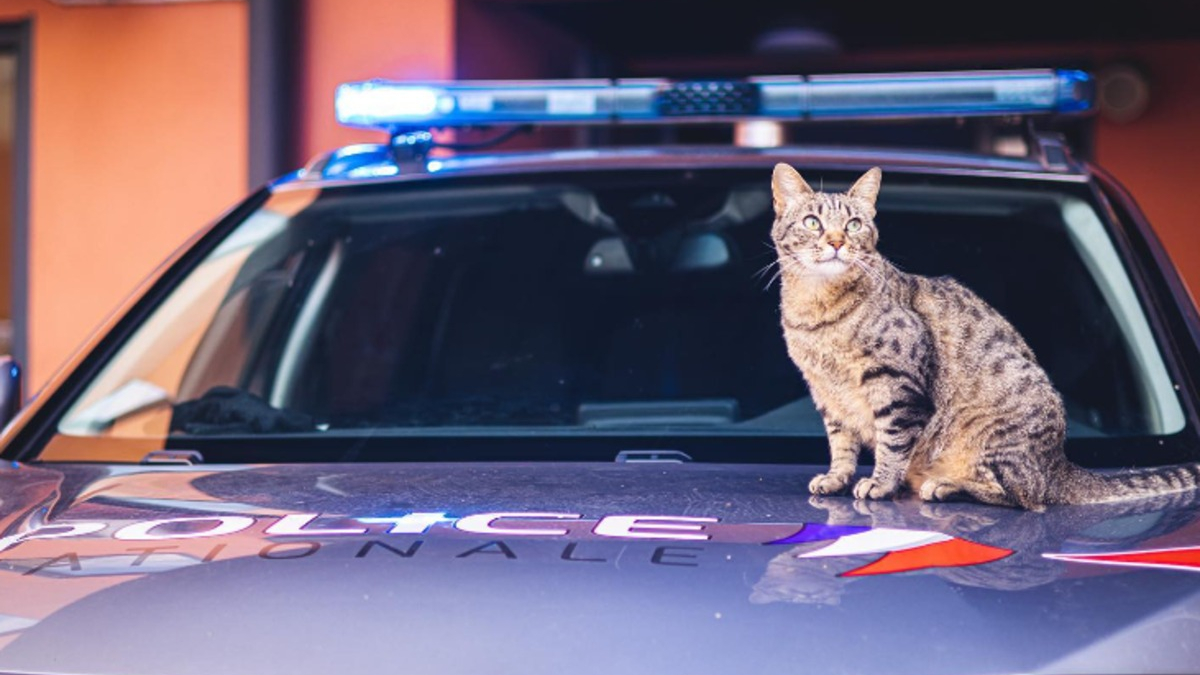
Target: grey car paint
[{"x": 318, "y": 600}]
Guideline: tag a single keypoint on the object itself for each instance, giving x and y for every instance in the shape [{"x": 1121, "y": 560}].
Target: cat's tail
[{"x": 1077, "y": 485}]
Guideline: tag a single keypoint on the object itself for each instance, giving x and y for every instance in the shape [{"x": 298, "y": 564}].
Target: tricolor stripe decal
[{"x": 903, "y": 550}]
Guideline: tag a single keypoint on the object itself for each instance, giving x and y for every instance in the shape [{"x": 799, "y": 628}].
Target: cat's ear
[
  {"x": 787, "y": 186},
  {"x": 867, "y": 187}
]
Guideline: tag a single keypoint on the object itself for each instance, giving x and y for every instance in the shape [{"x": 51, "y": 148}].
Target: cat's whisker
[
  {"x": 765, "y": 268},
  {"x": 790, "y": 265},
  {"x": 875, "y": 275},
  {"x": 867, "y": 265},
  {"x": 787, "y": 265},
  {"x": 859, "y": 262}
]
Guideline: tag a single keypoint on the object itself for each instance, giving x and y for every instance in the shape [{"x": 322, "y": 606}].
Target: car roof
[{"x": 373, "y": 163}]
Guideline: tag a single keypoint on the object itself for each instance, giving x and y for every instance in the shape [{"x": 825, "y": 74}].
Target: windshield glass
[{"x": 633, "y": 303}]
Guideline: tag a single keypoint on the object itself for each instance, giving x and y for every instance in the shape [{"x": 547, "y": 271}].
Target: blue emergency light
[{"x": 398, "y": 106}]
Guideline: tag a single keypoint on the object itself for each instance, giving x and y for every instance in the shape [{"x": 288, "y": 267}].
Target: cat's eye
[
  {"x": 854, "y": 225},
  {"x": 811, "y": 223}
]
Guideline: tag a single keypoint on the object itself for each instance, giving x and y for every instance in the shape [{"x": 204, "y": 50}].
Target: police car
[{"x": 416, "y": 410}]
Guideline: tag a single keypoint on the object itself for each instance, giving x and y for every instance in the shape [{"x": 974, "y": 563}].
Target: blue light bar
[
  {"x": 396, "y": 106},
  {"x": 970, "y": 94},
  {"x": 380, "y": 103}
]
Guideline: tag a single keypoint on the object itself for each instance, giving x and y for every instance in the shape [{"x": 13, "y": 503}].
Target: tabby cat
[{"x": 921, "y": 371}]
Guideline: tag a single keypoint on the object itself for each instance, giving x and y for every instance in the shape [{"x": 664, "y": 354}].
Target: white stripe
[
  {"x": 881, "y": 540},
  {"x": 1082, "y": 558},
  {"x": 9, "y": 623}
]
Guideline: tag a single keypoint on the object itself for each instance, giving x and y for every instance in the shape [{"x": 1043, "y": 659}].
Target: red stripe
[
  {"x": 952, "y": 553},
  {"x": 1185, "y": 557}
]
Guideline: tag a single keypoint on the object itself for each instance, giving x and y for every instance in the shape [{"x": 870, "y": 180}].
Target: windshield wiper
[
  {"x": 176, "y": 457},
  {"x": 652, "y": 457}
]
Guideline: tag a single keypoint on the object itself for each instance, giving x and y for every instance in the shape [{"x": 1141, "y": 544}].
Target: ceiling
[{"x": 631, "y": 36}]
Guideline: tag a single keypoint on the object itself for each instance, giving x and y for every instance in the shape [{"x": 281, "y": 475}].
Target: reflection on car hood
[{"x": 585, "y": 568}]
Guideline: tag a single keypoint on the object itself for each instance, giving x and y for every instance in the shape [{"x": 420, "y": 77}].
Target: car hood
[{"x": 583, "y": 568}]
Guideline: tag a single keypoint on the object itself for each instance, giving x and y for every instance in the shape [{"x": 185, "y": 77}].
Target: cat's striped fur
[{"x": 921, "y": 371}]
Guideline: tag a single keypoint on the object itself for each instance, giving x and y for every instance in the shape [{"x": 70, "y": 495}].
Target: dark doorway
[{"x": 14, "y": 186}]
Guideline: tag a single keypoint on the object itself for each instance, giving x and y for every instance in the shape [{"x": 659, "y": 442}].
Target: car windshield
[{"x": 640, "y": 304}]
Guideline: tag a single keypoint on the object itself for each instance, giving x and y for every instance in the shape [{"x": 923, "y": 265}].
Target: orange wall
[
  {"x": 139, "y": 131},
  {"x": 348, "y": 40},
  {"x": 1158, "y": 155}
]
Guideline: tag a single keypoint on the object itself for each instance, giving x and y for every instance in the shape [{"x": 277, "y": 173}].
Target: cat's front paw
[
  {"x": 869, "y": 488},
  {"x": 828, "y": 484},
  {"x": 939, "y": 490}
]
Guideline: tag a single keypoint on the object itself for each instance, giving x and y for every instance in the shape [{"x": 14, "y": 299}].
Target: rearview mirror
[{"x": 702, "y": 251}]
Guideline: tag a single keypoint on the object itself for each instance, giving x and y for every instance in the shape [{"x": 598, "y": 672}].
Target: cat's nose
[{"x": 836, "y": 242}]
